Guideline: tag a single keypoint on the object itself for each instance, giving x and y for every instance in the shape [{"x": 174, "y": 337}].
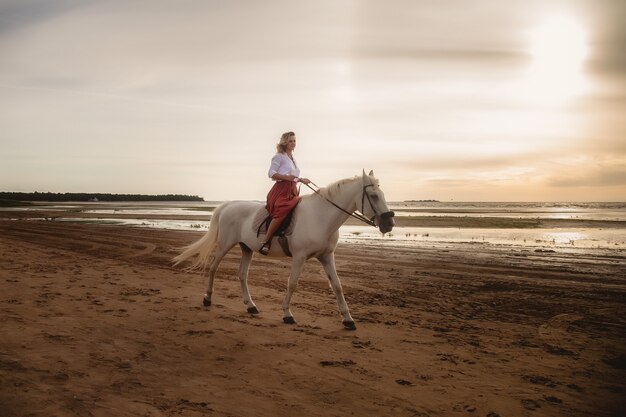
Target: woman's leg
[
  {"x": 271, "y": 229},
  {"x": 274, "y": 225}
]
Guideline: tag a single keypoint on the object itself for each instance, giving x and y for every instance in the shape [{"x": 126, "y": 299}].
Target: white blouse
[{"x": 282, "y": 164}]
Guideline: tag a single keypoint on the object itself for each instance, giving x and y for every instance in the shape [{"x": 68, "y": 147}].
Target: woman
[{"x": 283, "y": 197}]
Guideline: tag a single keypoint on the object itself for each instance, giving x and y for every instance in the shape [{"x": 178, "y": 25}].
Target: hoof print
[{"x": 404, "y": 382}]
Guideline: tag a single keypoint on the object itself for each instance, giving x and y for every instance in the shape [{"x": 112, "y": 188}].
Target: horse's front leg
[
  {"x": 296, "y": 267},
  {"x": 328, "y": 261}
]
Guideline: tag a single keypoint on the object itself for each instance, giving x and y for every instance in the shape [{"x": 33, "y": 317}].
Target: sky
[{"x": 479, "y": 100}]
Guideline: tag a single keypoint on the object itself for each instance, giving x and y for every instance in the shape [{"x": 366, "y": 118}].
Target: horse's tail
[{"x": 203, "y": 247}]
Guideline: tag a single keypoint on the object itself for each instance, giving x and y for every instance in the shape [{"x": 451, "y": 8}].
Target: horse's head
[{"x": 373, "y": 204}]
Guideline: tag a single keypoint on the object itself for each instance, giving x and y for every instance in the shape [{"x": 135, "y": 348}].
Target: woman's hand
[{"x": 305, "y": 180}]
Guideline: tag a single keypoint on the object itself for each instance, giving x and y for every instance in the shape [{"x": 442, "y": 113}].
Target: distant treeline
[{"x": 37, "y": 196}]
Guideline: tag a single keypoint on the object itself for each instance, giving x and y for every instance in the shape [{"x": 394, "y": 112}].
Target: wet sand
[{"x": 96, "y": 322}]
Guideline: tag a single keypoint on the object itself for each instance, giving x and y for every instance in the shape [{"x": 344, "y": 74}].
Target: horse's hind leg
[
  {"x": 328, "y": 261},
  {"x": 246, "y": 259},
  {"x": 215, "y": 263}
]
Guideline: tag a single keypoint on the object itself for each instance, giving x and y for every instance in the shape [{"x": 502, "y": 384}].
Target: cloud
[
  {"x": 19, "y": 14},
  {"x": 450, "y": 182},
  {"x": 607, "y": 36},
  {"x": 450, "y": 55},
  {"x": 595, "y": 177},
  {"x": 412, "y": 88},
  {"x": 468, "y": 163}
]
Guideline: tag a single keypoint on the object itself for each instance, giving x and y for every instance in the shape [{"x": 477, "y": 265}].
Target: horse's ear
[
  {"x": 364, "y": 173},
  {"x": 372, "y": 173}
]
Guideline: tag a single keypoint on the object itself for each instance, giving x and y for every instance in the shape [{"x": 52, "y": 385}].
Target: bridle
[
  {"x": 384, "y": 215},
  {"x": 357, "y": 216}
]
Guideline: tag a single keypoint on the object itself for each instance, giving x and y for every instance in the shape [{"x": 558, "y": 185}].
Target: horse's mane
[{"x": 332, "y": 189}]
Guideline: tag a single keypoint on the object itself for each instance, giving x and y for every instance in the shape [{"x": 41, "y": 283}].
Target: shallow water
[
  {"x": 401, "y": 236},
  {"x": 408, "y": 236},
  {"x": 573, "y": 211},
  {"x": 411, "y": 236}
]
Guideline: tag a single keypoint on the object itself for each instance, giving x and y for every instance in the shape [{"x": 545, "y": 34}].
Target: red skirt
[{"x": 282, "y": 198}]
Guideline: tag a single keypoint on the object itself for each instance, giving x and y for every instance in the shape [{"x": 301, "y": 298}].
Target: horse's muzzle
[{"x": 386, "y": 222}]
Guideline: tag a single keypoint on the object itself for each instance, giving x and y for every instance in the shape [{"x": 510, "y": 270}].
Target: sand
[{"x": 96, "y": 322}]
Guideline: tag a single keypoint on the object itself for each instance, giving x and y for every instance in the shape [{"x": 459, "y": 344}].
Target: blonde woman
[{"x": 283, "y": 197}]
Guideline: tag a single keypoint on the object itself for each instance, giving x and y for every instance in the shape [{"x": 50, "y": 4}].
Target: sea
[{"x": 611, "y": 233}]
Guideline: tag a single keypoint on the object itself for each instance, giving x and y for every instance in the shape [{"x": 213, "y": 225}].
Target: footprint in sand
[
  {"x": 530, "y": 404},
  {"x": 342, "y": 364},
  {"x": 555, "y": 328},
  {"x": 404, "y": 382},
  {"x": 554, "y": 331},
  {"x": 149, "y": 248},
  {"x": 559, "y": 322}
]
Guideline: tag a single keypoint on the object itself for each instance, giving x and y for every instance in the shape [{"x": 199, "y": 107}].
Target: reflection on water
[
  {"x": 614, "y": 212},
  {"x": 401, "y": 236},
  {"x": 568, "y": 215},
  {"x": 575, "y": 211},
  {"x": 569, "y": 237},
  {"x": 411, "y": 236},
  {"x": 408, "y": 236},
  {"x": 141, "y": 212},
  {"x": 157, "y": 224}
]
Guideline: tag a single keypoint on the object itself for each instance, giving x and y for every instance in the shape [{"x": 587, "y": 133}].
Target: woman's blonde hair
[{"x": 281, "y": 147}]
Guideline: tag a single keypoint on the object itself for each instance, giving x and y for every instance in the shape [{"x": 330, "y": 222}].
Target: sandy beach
[{"x": 96, "y": 322}]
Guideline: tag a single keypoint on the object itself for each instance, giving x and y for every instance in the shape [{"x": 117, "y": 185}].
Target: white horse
[{"x": 315, "y": 233}]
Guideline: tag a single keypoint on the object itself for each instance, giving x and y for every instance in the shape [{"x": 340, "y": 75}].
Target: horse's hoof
[
  {"x": 253, "y": 310},
  {"x": 349, "y": 325},
  {"x": 206, "y": 302},
  {"x": 289, "y": 320}
]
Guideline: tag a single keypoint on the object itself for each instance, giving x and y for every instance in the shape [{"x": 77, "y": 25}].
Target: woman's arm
[
  {"x": 281, "y": 177},
  {"x": 277, "y": 177}
]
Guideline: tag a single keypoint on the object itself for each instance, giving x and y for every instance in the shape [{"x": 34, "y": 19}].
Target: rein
[{"x": 357, "y": 216}]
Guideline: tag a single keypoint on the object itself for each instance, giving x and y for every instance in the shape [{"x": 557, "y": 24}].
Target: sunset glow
[
  {"x": 558, "y": 47},
  {"x": 520, "y": 100}
]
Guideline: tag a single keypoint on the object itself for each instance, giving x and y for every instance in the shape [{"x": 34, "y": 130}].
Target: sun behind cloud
[{"x": 558, "y": 47}]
